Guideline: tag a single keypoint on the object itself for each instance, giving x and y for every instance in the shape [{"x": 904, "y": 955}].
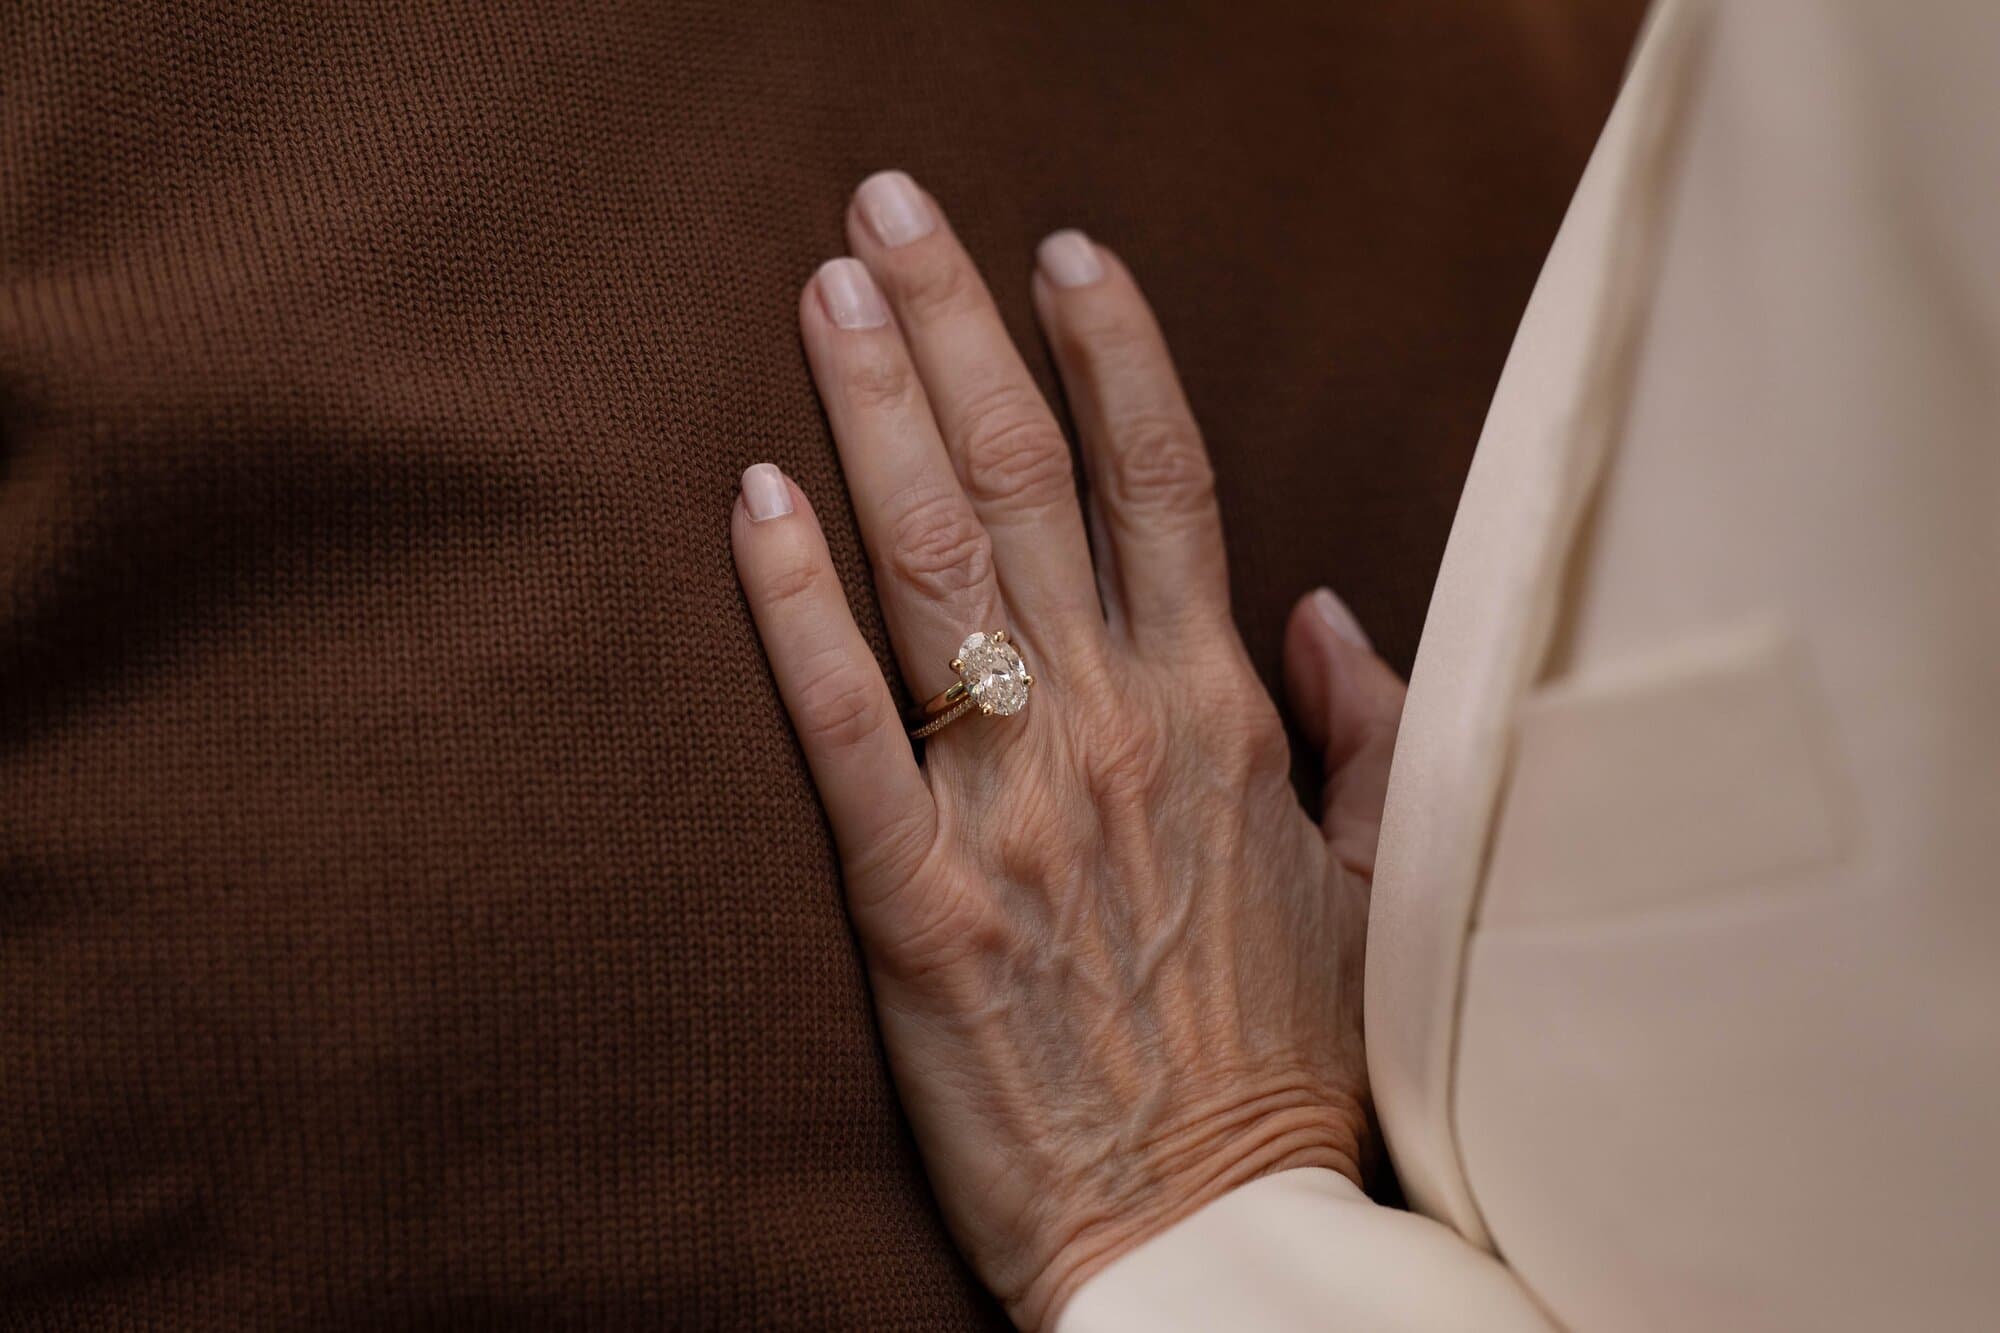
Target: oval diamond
[{"x": 994, "y": 674}]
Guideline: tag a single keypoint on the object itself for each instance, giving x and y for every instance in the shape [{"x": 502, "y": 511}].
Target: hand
[{"x": 1118, "y": 968}]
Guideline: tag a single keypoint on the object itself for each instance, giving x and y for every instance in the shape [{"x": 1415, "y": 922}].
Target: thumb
[{"x": 1348, "y": 702}]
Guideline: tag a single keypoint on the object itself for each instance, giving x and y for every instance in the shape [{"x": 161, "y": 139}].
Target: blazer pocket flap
[{"x": 1677, "y": 776}]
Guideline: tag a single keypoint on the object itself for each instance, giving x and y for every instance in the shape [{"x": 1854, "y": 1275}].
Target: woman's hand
[{"x": 1118, "y": 968}]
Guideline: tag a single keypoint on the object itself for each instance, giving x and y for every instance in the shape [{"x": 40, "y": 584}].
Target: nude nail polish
[
  {"x": 848, "y": 294},
  {"x": 766, "y": 494},
  {"x": 1068, "y": 259},
  {"x": 1338, "y": 618},
  {"x": 895, "y": 210}
]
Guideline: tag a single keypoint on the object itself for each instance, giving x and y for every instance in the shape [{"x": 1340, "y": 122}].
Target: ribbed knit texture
[{"x": 414, "y": 911}]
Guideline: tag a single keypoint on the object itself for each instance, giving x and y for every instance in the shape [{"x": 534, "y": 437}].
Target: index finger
[{"x": 883, "y": 816}]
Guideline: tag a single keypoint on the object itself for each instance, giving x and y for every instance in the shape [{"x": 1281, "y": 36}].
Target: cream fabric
[
  {"x": 1684, "y": 967},
  {"x": 1293, "y": 1251}
]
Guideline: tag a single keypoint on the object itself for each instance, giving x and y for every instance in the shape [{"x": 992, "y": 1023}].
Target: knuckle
[
  {"x": 1012, "y": 449},
  {"x": 1160, "y": 465},
  {"x": 879, "y": 381},
  {"x": 1240, "y": 727},
  {"x": 1260, "y": 733},
  {"x": 935, "y": 283},
  {"x": 893, "y": 851},
  {"x": 1092, "y": 683},
  {"x": 1379, "y": 732},
  {"x": 1241, "y": 734},
  {"x": 839, "y": 706},
  {"x": 1112, "y": 344},
  {"x": 796, "y": 578},
  {"x": 936, "y": 926},
  {"x": 1126, "y": 764},
  {"x": 938, "y": 548}
]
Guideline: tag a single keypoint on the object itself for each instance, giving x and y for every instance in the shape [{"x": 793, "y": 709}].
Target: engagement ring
[{"x": 992, "y": 678}]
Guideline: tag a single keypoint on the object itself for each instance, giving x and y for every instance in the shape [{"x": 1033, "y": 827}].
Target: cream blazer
[{"x": 1684, "y": 964}]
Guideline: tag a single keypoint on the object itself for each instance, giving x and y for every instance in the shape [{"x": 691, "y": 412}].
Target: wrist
[{"x": 1172, "y": 1175}]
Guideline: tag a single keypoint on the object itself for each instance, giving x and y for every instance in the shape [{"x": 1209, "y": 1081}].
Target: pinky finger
[{"x": 875, "y": 796}]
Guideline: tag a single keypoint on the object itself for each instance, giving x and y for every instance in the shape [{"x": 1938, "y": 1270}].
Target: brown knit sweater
[{"x": 413, "y": 909}]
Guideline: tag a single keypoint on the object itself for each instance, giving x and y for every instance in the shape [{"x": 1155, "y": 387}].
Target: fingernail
[
  {"x": 850, "y": 296},
  {"x": 896, "y": 211},
  {"x": 1339, "y": 619},
  {"x": 765, "y": 492},
  {"x": 1068, "y": 259}
]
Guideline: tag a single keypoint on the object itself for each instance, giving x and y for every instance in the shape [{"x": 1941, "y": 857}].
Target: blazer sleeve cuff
[{"x": 1302, "y": 1249}]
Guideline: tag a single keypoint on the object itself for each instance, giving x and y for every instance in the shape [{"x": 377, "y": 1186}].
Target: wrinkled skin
[{"x": 1118, "y": 968}]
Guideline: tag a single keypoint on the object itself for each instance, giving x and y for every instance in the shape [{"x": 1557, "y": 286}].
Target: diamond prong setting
[{"x": 994, "y": 675}]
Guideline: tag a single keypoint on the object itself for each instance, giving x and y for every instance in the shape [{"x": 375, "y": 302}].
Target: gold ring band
[{"x": 942, "y": 710}]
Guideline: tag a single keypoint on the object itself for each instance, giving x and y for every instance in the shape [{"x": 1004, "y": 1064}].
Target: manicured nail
[
  {"x": 896, "y": 211},
  {"x": 765, "y": 492},
  {"x": 850, "y": 296},
  {"x": 1068, "y": 259},
  {"x": 1339, "y": 619}
]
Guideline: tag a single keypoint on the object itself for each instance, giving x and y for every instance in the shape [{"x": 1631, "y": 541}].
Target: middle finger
[
  {"x": 932, "y": 559},
  {"x": 1005, "y": 444}
]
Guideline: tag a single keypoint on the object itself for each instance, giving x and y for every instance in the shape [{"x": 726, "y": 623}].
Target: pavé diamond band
[{"x": 992, "y": 679}]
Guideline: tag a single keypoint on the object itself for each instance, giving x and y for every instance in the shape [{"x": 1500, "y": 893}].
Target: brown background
[{"x": 413, "y": 908}]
